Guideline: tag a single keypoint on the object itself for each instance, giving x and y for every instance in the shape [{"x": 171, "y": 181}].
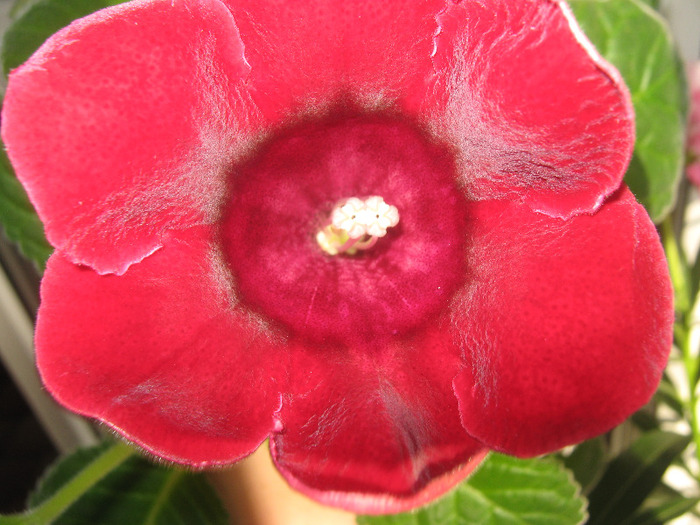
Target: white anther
[
  {"x": 357, "y": 224},
  {"x": 378, "y": 216},
  {"x": 350, "y": 218}
]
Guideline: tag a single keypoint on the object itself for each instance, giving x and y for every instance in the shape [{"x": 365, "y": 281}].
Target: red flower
[{"x": 185, "y": 155}]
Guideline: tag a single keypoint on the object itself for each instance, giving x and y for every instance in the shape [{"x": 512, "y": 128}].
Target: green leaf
[
  {"x": 18, "y": 217},
  {"x": 654, "y": 4},
  {"x": 663, "y": 513},
  {"x": 503, "y": 491},
  {"x": 20, "y": 7},
  {"x": 137, "y": 492},
  {"x": 38, "y": 21},
  {"x": 631, "y": 476},
  {"x": 633, "y": 37},
  {"x": 61, "y": 472},
  {"x": 586, "y": 462}
]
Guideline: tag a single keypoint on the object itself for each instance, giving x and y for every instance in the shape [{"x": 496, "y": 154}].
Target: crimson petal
[
  {"x": 312, "y": 51},
  {"x": 566, "y": 325},
  {"x": 163, "y": 354},
  {"x": 121, "y": 126},
  {"x": 375, "y": 430},
  {"x": 536, "y": 113}
]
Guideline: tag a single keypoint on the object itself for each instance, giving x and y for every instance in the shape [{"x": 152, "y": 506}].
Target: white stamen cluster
[
  {"x": 357, "y": 224},
  {"x": 371, "y": 216}
]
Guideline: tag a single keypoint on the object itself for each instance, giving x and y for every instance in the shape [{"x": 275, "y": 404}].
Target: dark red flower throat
[{"x": 281, "y": 197}]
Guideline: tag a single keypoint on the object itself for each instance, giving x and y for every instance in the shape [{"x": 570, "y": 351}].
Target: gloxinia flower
[{"x": 184, "y": 156}]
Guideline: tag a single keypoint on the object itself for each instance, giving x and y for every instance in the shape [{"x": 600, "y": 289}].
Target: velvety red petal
[
  {"x": 162, "y": 354},
  {"x": 307, "y": 52},
  {"x": 536, "y": 113},
  {"x": 121, "y": 126},
  {"x": 375, "y": 430},
  {"x": 566, "y": 327}
]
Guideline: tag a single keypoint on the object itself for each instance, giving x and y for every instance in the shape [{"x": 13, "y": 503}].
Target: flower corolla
[{"x": 184, "y": 156}]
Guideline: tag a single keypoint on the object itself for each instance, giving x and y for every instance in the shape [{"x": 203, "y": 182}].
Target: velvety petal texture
[
  {"x": 184, "y": 156},
  {"x": 411, "y": 449},
  {"x": 305, "y": 52},
  {"x": 537, "y": 114},
  {"x": 135, "y": 111},
  {"x": 164, "y": 354},
  {"x": 566, "y": 326}
]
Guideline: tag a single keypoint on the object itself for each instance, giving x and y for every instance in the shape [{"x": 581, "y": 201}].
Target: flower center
[
  {"x": 357, "y": 224},
  {"x": 312, "y": 237}
]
